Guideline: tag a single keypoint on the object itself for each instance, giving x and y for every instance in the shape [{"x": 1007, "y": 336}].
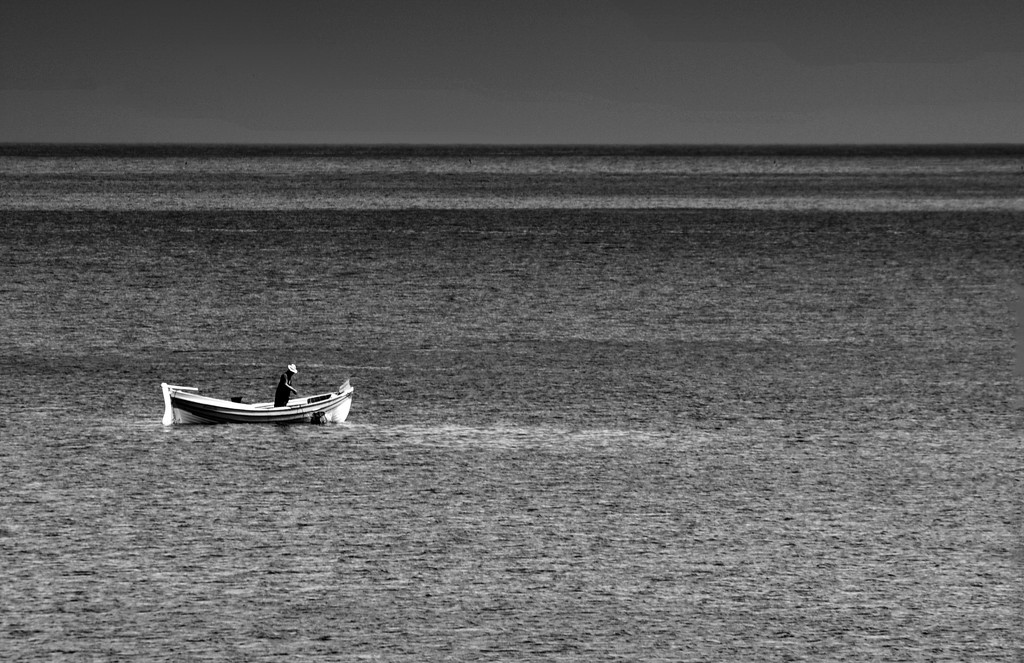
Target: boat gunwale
[{"x": 293, "y": 405}]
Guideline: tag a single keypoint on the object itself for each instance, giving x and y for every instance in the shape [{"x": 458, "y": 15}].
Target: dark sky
[{"x": 524, "y": 71}]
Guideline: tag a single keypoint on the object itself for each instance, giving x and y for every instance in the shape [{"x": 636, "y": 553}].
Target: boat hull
[{"x": 183, "y": 406}]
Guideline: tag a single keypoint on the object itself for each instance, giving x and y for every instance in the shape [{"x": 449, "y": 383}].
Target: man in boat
[{"x": 285, "y": 388}]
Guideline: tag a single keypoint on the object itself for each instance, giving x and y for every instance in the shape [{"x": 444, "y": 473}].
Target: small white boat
[{"x": 183, "y": 406}]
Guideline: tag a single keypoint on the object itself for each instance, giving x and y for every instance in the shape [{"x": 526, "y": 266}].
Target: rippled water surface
[{"x": 610, "y": 404}]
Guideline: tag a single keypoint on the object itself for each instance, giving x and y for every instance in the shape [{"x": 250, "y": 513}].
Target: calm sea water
[{"x": 611, "y": 404}]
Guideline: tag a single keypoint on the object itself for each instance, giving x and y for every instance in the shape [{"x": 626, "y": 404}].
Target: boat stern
[{"x": 169, "y": 412}]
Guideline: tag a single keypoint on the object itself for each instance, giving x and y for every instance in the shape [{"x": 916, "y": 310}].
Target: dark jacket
[{"x": 284, "y": 390}]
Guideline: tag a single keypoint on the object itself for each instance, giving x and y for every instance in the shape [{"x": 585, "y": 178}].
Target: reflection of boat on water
[{"x": 183, "y": 406}]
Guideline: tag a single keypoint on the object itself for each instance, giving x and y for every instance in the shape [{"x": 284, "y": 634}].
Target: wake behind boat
[{"x": 183, "y": 406}]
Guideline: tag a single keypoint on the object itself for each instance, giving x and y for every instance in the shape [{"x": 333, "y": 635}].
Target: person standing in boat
[{"x": 285, "y": 388}]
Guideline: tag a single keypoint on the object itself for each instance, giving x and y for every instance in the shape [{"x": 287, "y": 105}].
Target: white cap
[{"x": 291, "y": 367}]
